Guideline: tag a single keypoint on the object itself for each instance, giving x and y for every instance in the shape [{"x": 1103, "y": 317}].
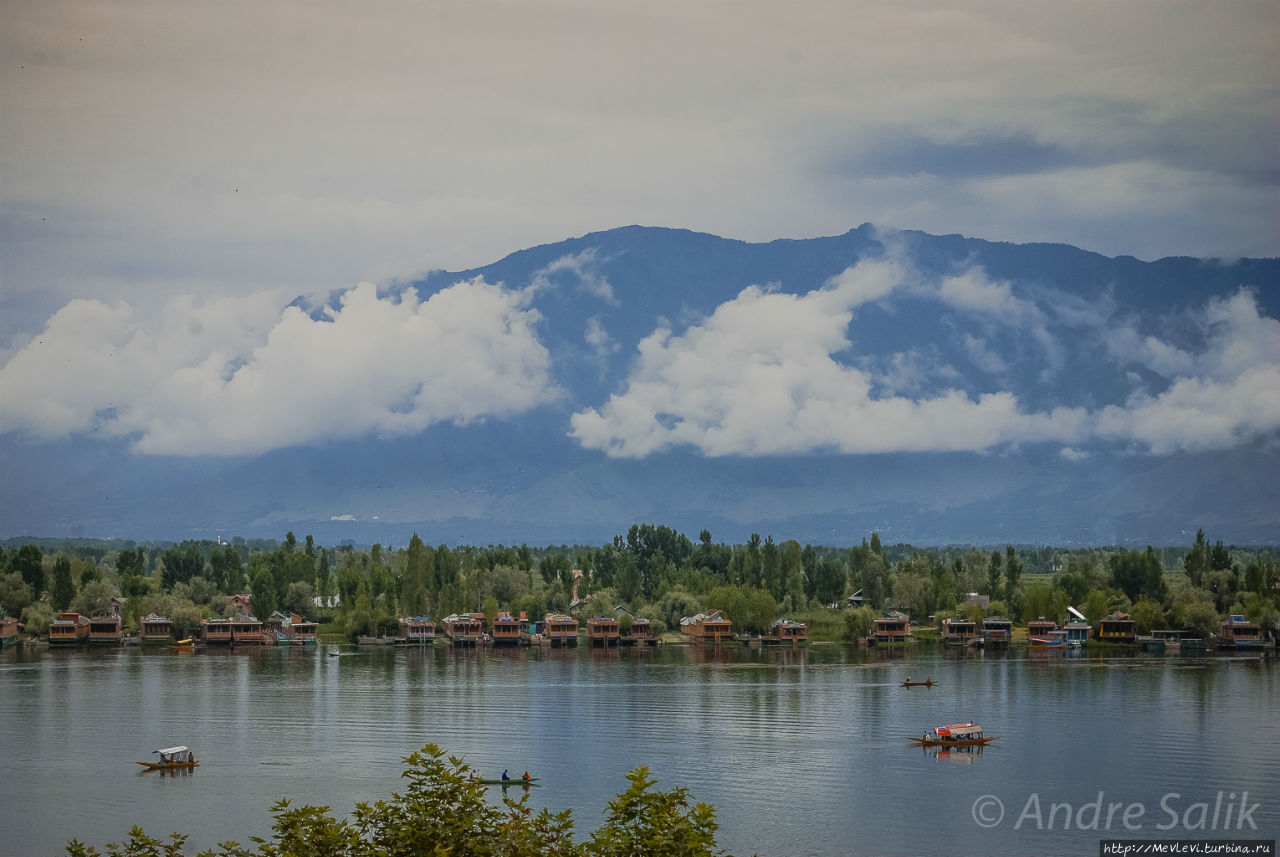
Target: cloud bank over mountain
[
  {"x": 649, "y": 373},
  {"x": 240, "y": 376}
]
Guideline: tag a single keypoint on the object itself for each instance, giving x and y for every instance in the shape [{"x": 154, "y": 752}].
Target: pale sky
[{"x": 170, "y": 170}]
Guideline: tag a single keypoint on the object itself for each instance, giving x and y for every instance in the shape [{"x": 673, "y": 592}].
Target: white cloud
[
  {"x": 238, "y": 376},
  {"x": 602, "y": 344},
  {"x": 983, "y": 357},
  {"x": 1227, "y": 394},
  {"x": 758, "y": 378},
  {"x": 586, "y": 269}
]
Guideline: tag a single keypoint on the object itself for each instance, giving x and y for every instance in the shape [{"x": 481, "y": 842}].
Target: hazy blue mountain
[{"x": 526, "y": 480}]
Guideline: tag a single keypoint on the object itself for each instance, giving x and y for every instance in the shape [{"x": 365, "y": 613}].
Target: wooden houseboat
[
  {"x": 604, "y": 631},
  {"x": 639, "y": 634},
  {"x": 710, "y": 627},
  {"x": 788, "y": 631},
  {"x": 1237, "y": 632},
  {"x": 464, "y": 629},
  {"x": 1077, "y": 633},
  {"x": 506, "y": 630},
  {"x": 417, "y": 631},
  {"x": 296, "y": 631},
  {"x": 105, "y": 630},
  {"x": 155, "y": 630},
  {"x": 216, "y": 632},
  {"x": 891, "y": 629},
  {"x": 246, "y": 631},
  {"x": 959, "y": 632},
  {"x": 997, "y": 631},
  {"x": 8, "y": 630},
  {"x": 1118, "y": 628},
  {"x": 561, "y": 630},
  {"x": 69, "y": 629},
  {"x": 1041, "y": 627}
]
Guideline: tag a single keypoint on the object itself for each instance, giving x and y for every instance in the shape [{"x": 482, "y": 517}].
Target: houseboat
[
  {"x": 69, "y": 629},
  {"x": 1118, "y": 628},
  {"x": 246, "y": 631},
  {"x": 506, "y": 630},
  {"x": 417, "y": 631},
  {"x": 710, "y": 627},
  {"x": 891, "y": 629},
  {"x": 604, "y": 631},
  {"x": 1237, "y": 632},
  {"x": 1041, "y": 627},
  {"x": 464, "y": 629},
  {"x": 997, "y": 631},
  {"x": 959, "y": 632},
  {"x": 639, "y": 634},
  {"x": 155, "y": 630},
  {"x": 105, "y": 630},
  {"x": 1077, "y": 633},
  {"x": 561, "y": 630},
  {"x": 8, "y": 631},
  {"x": 216, "y": 632},
  {"x": 296, "y": 631},
  {"x": 788, "y": 631}
]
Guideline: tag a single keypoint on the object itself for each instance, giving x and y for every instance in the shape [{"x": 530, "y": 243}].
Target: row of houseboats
[{"x": 1235, "y": 632}]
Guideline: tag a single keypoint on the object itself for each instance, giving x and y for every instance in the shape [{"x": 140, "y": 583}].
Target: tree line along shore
[{"x": 653, "y": 571}]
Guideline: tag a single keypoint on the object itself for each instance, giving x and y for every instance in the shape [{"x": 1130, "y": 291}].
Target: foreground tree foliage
[{"x": 444, "y": 813}]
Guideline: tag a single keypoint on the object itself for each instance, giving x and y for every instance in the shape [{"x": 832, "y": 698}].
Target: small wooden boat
[
  {"x": 172, "y": 759},
  {"x": 1046, "y": 643},
  {"x": 955, "y": 735},
  {"x": 929, "y": 682},
  {"x": 186, "y": 645},
  {"x": 532, "y": 781}
]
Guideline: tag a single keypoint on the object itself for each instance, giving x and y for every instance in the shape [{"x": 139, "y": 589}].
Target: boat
[
  {"x": 1046, "y": 643},
  {"x": 172, "y": 759},
  {"x": 532, "y": 781},
  {"x": 929, "y": 682},
  {"x": 186, "y": 645},
  {"x": 955, "y": 735}
]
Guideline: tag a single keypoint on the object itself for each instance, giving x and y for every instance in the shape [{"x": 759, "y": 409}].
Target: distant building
[{"x": 983, "y": 601}]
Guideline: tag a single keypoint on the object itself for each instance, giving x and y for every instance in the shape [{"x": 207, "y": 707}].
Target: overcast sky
[{"x": 160, "y": 162}]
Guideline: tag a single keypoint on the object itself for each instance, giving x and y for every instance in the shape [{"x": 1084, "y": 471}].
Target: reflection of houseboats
[
  {"x": 891, "y": 629},
  {"x": 105, "y": 630},
  {"x": 417, "y": 631},
  {"x": 1237, "y": 632},
  {"x": 957, "y": 633},
  {"x": 69, "y": 629},
  {"x": 506, "y": 630},
  {"x": 1119, "y": 627},
  {"x": 604, "y": 631},
  {"x": 464, "y": 629},
  {"x": 561, "y": 630},
  {"x": 710, "y": 627},
  {"x": 997, "y": 631},
  {"x": 966, "y": 734},
  {"x": 155, "y": 630}
]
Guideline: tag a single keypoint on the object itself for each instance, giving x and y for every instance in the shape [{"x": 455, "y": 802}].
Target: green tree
[
  {"x": 15, "y": 593},
  {"x": 858, "y": 622},
  {"x": 1012, "y": 568},
  {"x": 29, "y": 563},
  {"x": 993, "y": 575},
  {"x": 1197, "y": 563},
  {"x": 63, "y": 588},
  {"x": 642, "y": 821},
  {"x": 94, "y": 598}
]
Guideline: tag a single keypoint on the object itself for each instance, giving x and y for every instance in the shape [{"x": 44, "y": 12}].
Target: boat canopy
[
  {"x": 171, "y": 750},
  {"x": 958, "y": 730}
]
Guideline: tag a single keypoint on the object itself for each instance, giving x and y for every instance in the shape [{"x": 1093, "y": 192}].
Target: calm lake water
[{"x": 802, "y": 752}]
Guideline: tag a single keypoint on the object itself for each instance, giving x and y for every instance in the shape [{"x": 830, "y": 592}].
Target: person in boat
[
  {"x": 526, "y": 777},
  {"x": 505, "y": 776}
]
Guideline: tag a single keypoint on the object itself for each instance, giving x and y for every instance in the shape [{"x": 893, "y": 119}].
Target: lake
[{"x": 801, "y": 751}]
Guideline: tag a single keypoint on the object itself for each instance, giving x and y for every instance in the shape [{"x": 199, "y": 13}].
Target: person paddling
[{"x": 506, "y": 777}]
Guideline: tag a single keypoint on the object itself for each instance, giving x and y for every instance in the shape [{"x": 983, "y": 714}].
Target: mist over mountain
[{"x": 937, "y": 389}]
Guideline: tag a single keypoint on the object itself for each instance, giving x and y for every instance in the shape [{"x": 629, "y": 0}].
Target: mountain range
[{"x": 936, "y": 389}]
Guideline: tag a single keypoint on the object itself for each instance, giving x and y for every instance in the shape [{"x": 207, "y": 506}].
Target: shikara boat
[
  {"x": 1046, "y": 643},
  {"x": 172, "y": 759},
  {"x": 186, "y": 645},
  {"x": 929, "y": 682},
  {"x": 954, "y": 735},
  {"x": 532, "y": 781}
]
